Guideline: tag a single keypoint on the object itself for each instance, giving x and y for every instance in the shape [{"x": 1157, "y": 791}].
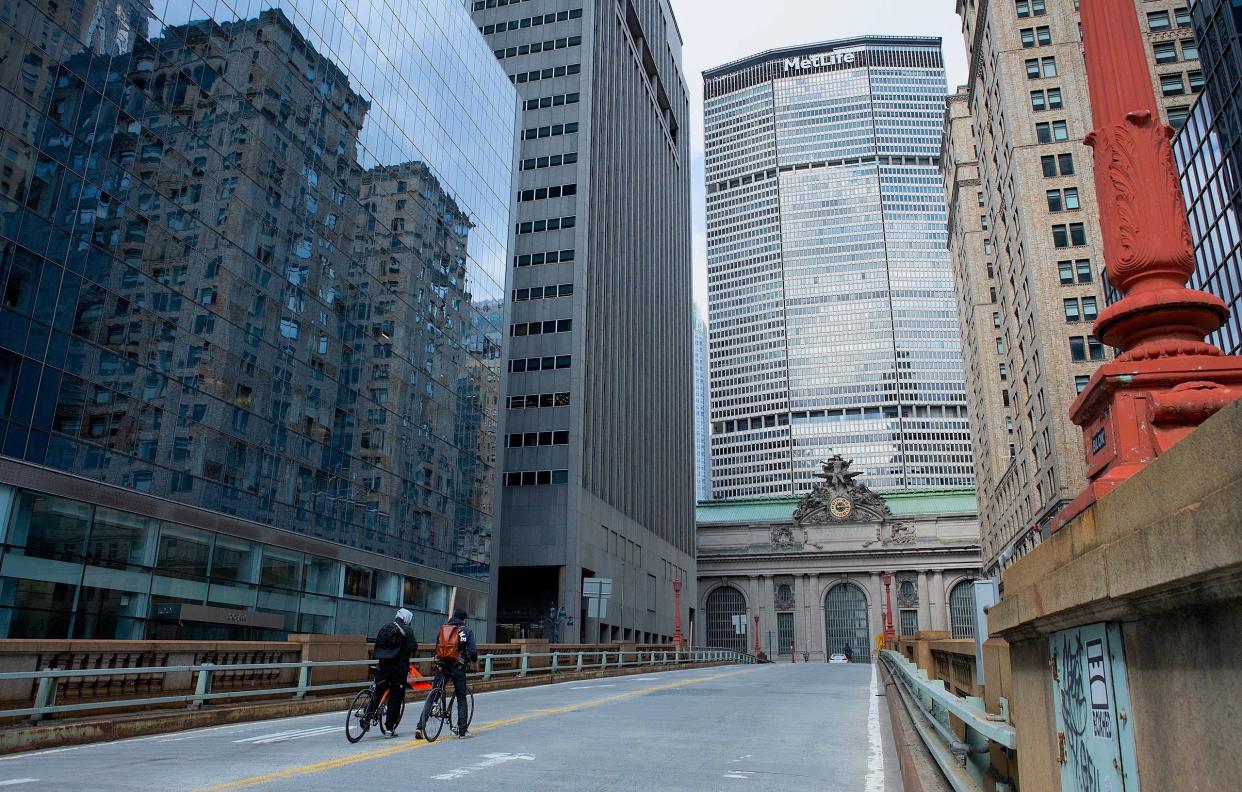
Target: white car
[{"x": 838, "y": 658}]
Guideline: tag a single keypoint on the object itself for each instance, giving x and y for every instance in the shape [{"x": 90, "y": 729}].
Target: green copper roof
[{"x": 902, "y": 504}]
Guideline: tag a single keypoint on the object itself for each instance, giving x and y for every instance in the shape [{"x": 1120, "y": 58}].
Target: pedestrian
[{"x": 394, "y": 645}]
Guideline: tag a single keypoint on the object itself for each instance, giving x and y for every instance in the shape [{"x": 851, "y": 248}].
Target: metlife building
[{"x": 833, "y": 327}]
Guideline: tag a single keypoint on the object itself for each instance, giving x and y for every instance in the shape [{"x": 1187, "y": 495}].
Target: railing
[
  {"x": 964, "y": 758},
  {"x": 491, "y": 667}
]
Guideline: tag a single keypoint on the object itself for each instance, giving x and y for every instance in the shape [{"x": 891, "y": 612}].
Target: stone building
[
  {"x": 811, "y": 570},
  {"x": 1026, "y": 247}
]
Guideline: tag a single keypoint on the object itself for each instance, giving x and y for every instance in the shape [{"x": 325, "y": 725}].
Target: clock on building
[{"x": 840, "y": 507}]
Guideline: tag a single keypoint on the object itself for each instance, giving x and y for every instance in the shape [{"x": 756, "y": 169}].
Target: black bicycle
[
  {"x": 366, "y": 712},
  {"x": 444, "y": 709}
]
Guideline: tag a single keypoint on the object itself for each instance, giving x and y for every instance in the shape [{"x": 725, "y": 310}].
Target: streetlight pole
[
  {"x": 677, "y": 637},
  {"x": 758, "y": 648},
  {"x": 1167, "y": 380},
  {"x": 890, "y": 635}
]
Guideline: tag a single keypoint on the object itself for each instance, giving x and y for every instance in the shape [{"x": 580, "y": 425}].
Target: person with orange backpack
[{"x": 455, "y": 650}]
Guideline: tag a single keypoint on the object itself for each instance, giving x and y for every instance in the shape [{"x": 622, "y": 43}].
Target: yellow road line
[{"x": 381, "y": 753}]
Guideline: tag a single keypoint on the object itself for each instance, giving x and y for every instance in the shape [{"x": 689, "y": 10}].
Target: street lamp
[
  {"x": 890, "y": 635},
  {"x": 758, "y": 648}
]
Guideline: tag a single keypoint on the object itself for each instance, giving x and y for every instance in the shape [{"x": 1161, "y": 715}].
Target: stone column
[
  {"x": 939, "y": 611},
  {"x": 875, "y": 593},
  {"x": 925, "y": 620},
  {"x": 812, "y": 607}
]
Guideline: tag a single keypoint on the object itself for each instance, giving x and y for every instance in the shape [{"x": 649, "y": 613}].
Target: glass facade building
[
  {"x": 1209, "y": 153},
  {"x": 833, "y": 327},
  {"x": 702, "y": 427},
  {"x": 252, "y": 265}
]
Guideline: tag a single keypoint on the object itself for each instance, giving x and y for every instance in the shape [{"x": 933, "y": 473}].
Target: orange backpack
[{"x": 448, "y": 643}]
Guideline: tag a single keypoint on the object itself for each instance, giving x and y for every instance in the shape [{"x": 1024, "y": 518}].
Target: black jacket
[{"x": 395, "y": 643}]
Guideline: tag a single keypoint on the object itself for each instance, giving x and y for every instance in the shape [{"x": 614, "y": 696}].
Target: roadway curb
[{"x": 119, "y": 727}]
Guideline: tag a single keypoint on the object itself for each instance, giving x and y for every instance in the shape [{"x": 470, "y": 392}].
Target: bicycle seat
[{"x": 374, "y": 669}]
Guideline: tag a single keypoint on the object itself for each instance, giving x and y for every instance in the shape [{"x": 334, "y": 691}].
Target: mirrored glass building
[
  {"x": 833, "y": 327},
  {"x": 251, "y": 264}
]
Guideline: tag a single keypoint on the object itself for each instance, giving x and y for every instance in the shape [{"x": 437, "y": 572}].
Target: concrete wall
[{"x": 1162, "y": 555}]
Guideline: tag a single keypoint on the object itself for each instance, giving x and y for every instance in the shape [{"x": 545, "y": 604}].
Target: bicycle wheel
[
  {"x": 358, "y": 719},
  {"x": 435, "y": 717}
]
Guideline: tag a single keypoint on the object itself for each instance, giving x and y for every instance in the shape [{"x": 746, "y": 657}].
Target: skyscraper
[
  {"x": 832, "y": 323},
  {"x": 1024, "y": 237},
  {"x": 245, "y": 275},
  {"x": 702, "y": 426},
  {"x": 1209, "y": 156},
  {"x": 599, "y": 439}
]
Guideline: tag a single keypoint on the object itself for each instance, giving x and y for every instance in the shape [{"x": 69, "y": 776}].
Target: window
[
  {"x": 1073, "y": 234},
  {"x": 1049, "y": 67},
  {"x": 1158, "y": 20},
  {"x": 1083, "y": 267},
  {"x": 1078, "y": 349},
  {"x": 1049, "y": 165},
  {"x": 1054, "y": 200},
  {"x": 996, "y": 322},
  {"x": 1172, "y": 85},
  {"x": 1004, "y": 371},
  {"x": 1097, "y": 349},
  {"x": 1032, "y": 69},
  {"x": 1029, "y": 8},
  {"x": 1190, "y": 49},
  {"x": 1066, "y": 271},
  {"x": 1089, "y": 310},
  {"x": 1196, "y": 81},
  {"x": 1043, "y": 132},
  {"x": 1054, "y": 98},
  {"x": 1182, "y": 15},
  {"x": 1071, "y": 198},
  {"x": 1078, "y": 234},
  {"x": 1178, "y": 116},
  {"x": 1028, "y": 37},
  {"x": 1066, "y": 163},
  {"x": 1080, "y": 382},
  {"x": 1038, "y": 101},
  {"x": 1165, "y": 52},
  {"x": 1072, "y": 313}
]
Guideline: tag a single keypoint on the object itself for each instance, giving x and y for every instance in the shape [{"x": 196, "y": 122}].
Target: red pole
[
  {"x": 1166, "y": 381},
  {"x": 758, "y": 648},
  {"x": 677, "y": 638},
  {"x": 890, "y": 635}
]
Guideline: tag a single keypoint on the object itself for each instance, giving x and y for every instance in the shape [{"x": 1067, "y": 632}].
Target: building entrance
[{"x": 846, "y": 623}]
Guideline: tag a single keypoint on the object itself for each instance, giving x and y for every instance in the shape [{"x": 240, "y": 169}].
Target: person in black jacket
[{"x": 394, "y": 645}]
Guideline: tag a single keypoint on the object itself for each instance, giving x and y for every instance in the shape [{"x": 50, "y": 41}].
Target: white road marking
[
  {"x": 489, "y": 760},
  {"x": 742, "y": 774},
  {"x": 16, "y": 781},
  {"x": 875, "y": 756},
  {"x": 296, "y": 734},
  {"x": 590, "y": 687}
]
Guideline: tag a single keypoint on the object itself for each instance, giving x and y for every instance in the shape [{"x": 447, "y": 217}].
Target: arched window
[
  {"x": 845, "y": 613},
  {"x": 962, "y": 609},
  {"x": 724, "y": 605}
]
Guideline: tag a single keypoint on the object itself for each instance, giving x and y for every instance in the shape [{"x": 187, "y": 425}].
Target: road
[{"x": 774, "y": 727}]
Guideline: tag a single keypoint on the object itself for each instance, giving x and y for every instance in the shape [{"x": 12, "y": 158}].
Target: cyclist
[
  {"x": 455, "y": 649},
  {"x": 394, "y": 646}
]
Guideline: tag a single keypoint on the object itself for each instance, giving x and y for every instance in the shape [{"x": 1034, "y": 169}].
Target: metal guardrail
[
  {"x": 963, "y": 761},
  {"x": 522, "y": 667}
]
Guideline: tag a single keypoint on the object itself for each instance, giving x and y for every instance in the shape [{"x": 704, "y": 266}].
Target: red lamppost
[
  {"x": 758, "y": 648},
  {"x": 1167, "y": 380},
  {"x": 889, "y": 634},
  {"x": 677, "y": 639}
]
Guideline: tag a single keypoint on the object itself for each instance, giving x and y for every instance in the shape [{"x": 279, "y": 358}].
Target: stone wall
[{"x": 1161, "y": 556}]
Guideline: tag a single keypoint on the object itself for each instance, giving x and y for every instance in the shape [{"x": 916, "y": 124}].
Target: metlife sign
[{"x": 821, "y": 60}]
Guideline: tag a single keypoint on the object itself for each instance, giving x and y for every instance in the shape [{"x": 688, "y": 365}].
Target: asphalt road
[{"x": 774, "y": 727}]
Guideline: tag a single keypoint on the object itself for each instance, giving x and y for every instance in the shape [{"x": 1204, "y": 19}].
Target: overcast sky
[{"x": 720, "y": 31}]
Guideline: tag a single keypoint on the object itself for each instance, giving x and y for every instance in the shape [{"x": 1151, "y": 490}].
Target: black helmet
[{"x": 459, "y": 614}]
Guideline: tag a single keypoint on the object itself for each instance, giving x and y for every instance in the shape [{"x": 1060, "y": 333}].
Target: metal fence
[
  {"x": 491, "y": 667},
  {"x": 964, "y": 760}
]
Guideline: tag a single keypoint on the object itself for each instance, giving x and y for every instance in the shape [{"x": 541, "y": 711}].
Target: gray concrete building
[{"x": 598, "y": 452}]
